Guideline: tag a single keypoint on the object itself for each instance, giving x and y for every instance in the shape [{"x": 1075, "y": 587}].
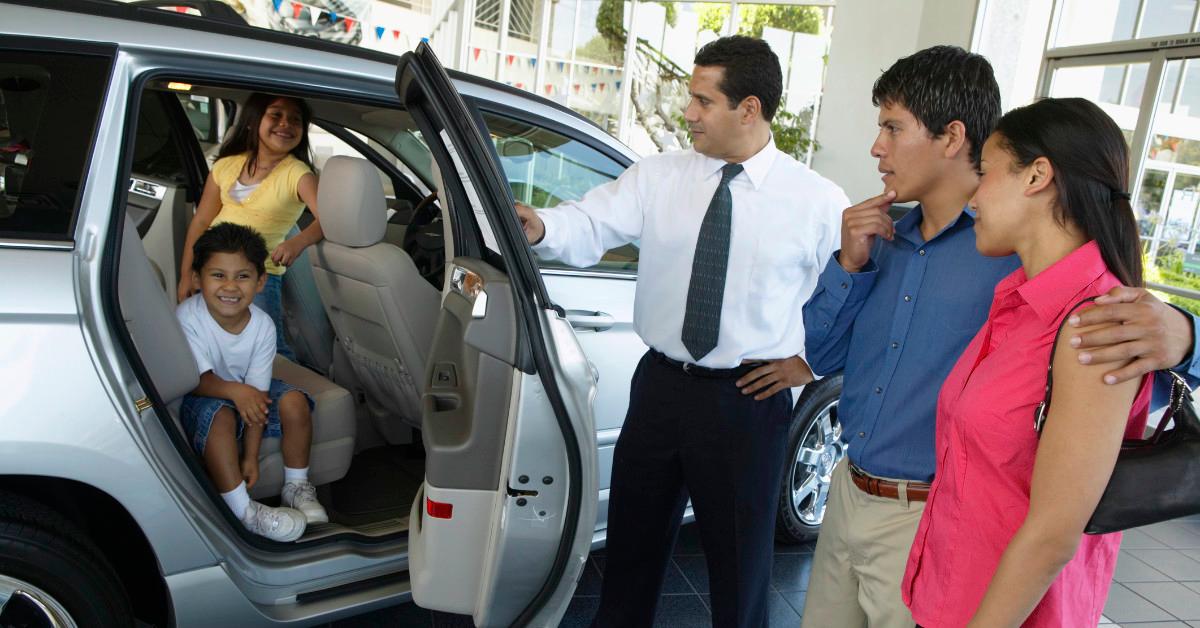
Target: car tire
[
  {"x": 52, "y": 574},
  {"x": 814, "y": 448}
]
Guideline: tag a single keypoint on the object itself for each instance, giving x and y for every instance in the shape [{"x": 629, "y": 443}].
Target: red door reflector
[{"x": 438, "y": 510}]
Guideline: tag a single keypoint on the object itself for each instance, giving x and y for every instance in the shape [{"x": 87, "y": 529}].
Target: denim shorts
[{"x": 197, "y": 414}]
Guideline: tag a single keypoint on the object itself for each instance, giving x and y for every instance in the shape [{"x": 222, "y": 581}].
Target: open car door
[{"x": 503, "y": 524}]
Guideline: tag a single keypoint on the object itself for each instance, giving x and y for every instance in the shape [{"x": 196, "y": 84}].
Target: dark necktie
[{"x": 702, "y": 318}]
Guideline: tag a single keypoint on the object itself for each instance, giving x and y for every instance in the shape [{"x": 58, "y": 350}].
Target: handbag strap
[{"x": 1180, "y": 391}]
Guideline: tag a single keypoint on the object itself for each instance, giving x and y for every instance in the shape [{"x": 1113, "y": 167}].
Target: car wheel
[
  {"x": 51, "y": 574},
  {"x": 814, "y": 448}
]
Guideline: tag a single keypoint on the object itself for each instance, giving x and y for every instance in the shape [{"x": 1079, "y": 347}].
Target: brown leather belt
[{"x": 871, "y": 485}]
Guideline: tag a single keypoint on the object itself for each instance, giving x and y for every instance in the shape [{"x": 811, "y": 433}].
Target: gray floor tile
[
  {"x": 796, "y": 599},
  {"x": 1156, "y": 624},
  {"x": 1124, "y": 605},
  {"x": 400, "y": 615},
  {"x": 799, "y": 548},
  {"x": 580, "y": 612},
  {"x": 790, "y": 572},
  {"x": 1136, "y": 539},
  {"x": 1172, "y": 597},
  {"x": 695, "y": 570},
  {"x": 1176, "y": 534},
  {"x": 1193, "y": 554},
  {"x": 1104, "y": 621},
  {"x": 589, "y": 582},
  {"x": 781, "y": 612},
  {"x": 1170, "y": 562},
  {"x": 1130, "y": 569},
  {"x": 682, "y": 611},
  {"x": 1195, "y": 586}
]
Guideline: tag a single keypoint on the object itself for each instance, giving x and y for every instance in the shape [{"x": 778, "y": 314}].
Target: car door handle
[{"x": 585, "y": 319}]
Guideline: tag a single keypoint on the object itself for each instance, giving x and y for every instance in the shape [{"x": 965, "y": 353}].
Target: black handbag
[{"x": 1155, "y": 479}]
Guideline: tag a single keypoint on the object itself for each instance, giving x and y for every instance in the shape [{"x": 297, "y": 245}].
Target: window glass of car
[
  {"x": 545, "y": 168},
  {"x": 156, "y": 151},
  {"x": 49, "y": 106}
]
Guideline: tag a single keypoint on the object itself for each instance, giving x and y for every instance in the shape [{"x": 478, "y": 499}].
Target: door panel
[{"x": 503, "y": 523}]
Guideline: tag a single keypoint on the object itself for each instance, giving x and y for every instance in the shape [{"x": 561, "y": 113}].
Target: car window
[
  {"x": 545, "y": 168},
  {"x": 156, "y": 152},
  {"x": 49, "y": 105},
  {"x": 325, "y": 145},
  {"x": 201, "y": 113}
]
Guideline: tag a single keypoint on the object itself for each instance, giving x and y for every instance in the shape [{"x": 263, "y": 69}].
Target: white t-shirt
[{"x": 245, "y": 358}]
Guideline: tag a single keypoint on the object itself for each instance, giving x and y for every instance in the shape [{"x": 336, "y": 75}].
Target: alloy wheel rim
[
  {"x": 35, "y": 601},
  {"x": 817, "y": 453}
]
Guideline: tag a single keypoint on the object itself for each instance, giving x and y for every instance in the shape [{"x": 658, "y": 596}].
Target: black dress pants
[{"x": 688, "y": 435}]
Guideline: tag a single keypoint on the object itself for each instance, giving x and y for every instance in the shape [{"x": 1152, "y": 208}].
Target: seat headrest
[{"x": 350, "y": 202}]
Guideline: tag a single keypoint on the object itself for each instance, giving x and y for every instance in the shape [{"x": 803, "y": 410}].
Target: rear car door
[{"x": 503, "y": 523}]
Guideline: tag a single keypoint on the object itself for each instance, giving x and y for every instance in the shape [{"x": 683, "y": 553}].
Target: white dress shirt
[{"x": 786, "y": 224}]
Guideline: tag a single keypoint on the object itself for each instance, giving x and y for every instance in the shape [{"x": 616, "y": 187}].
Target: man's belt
[
  {"x": 701, "y": 371},
  {"x": 871, "y": 485}
]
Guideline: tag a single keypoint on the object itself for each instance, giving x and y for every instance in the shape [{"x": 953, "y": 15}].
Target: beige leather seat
[
  {"x": 382, "y": 310},
  {"x": 163, "y": 349}
]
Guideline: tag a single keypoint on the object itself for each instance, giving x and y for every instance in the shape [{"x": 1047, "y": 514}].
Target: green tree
[
  {"x": 752, "y": 18},
  {"x": 610, "y": 21}
]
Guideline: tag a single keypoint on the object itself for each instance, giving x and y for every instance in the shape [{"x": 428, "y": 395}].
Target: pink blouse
[{"x": 985, "y": 449}]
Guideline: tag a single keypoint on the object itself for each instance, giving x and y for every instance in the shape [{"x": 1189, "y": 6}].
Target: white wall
[{"x": 868, "y": 37}]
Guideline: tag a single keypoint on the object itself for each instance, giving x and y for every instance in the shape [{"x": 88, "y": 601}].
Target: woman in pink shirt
[{"x": 1001, "y": 540}]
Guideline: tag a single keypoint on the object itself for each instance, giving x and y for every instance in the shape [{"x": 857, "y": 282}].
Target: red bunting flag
[
  {"x": 296, "y": 6},
  {"x": 520, "y": 86},
  {"x": 602, "y": 86},
  {"x": 549, "y": 88},
  {"x": 576, "y": 86},
  {"x": 509, "y": 59},
  {"x": 349, "y": 24},
  {"x": 476, "y": 53},
  {"x": 395, "y": 34}
]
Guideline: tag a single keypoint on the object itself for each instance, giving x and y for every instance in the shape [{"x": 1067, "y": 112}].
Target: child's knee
[
  {"x": 224, "y": 420},
  {"x": 293, "y": 407}
]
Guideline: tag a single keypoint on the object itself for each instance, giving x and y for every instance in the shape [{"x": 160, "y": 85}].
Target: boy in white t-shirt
[{"x": 234, "y": 345}]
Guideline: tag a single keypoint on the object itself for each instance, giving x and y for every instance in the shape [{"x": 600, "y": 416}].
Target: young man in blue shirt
[{"x": 895, "y": 308}]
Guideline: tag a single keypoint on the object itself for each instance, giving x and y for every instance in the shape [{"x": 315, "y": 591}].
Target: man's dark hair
[
  {"x": 230, "y": 238},
  {"x": 940, "y": 85},
  {"x": 751, "y": 69}
]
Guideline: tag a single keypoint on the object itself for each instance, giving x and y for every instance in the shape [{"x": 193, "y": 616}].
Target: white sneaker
[
  {"x": 303, "y": 497},
  {"x": 277, "y": 524}
]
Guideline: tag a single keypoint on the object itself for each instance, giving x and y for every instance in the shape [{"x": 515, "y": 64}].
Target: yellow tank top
[{"x": 272, "y": 209}]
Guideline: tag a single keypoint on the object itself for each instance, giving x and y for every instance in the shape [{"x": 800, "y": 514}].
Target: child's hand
[
  {"x": 250, "y": 471},
  {"x": 251, "y": 404},
  {"x": 287, "y": 252},
  {"x": 185, "y": 289}
]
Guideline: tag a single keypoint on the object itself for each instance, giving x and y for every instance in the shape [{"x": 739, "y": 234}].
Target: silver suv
[{"x": 454, "y": 374}]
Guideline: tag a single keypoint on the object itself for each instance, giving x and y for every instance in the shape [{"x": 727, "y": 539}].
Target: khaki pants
[{"x": 860, "y": 559}]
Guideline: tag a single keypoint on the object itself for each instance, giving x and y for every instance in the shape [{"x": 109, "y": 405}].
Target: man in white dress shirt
[{"x": 733, "y": 236}]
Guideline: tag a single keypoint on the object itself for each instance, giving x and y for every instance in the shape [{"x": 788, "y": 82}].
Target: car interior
[{"x": 361, "y": 307}]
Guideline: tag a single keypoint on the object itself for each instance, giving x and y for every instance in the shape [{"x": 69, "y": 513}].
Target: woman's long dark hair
[
  {"x": 243, "y": 138},
  {"x": 1091, "y": 170}
]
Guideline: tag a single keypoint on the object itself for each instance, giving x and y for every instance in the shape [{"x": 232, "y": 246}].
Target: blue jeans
[
  {"x": 197, "y": 413},
  {"x": 271, "y": 301}
]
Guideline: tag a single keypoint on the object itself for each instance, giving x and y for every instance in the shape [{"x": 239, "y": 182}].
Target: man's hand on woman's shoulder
[{"x": 1142, "y": 334}]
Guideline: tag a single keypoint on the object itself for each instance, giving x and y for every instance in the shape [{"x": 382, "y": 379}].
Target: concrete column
[{"x": 625, "y": 118}]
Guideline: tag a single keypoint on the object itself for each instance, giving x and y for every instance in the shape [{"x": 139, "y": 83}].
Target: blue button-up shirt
[{"x": 895, "y": 330}]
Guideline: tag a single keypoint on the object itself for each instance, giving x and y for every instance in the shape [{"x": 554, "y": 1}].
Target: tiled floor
[{"x": 1157, "y": 584}]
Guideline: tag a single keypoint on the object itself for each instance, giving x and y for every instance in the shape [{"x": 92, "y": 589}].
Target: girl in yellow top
[{"x": 263, "y": 178}]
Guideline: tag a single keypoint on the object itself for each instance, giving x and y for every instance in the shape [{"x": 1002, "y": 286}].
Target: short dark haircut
[
  {"x": 230, "y": 238},
  {"x": 751, "y": 69},
  {"x": 940, "y": 85},
  {"x": 1091, "y": 169}
]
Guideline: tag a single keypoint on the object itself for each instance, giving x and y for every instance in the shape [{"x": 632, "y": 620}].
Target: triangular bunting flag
[
  {"x": 576, "y": 86},
  {"x": 533, "y": 63},
  {"x": 549, "y": 88},
  {"x": 395, "y": 34},
  {"x": 277, "y": 3},
  {"x": 561, "y": 65},
  {"x": 332, "y": 17},
  {"x": 314, "y": 14},
  {"x": 296, "y": 6},
  {"x": 602, "y": 86},
  {"x": 379, "y": 30},
  {"x": 618, "y": 84},
  {"x": 593, "y": 87},
  {"x": 476, "y": 53},
  {"x": 520, "y": 86},
  {"x": 349, "y": 24},
  {"x": 424, "y": 40},
  {"x": 509, "y": 59}
]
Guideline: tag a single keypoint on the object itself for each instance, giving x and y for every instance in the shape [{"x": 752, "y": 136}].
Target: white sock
[
  {"x": 238, "y": 500},
  {"x": 295, "y": 475}
]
